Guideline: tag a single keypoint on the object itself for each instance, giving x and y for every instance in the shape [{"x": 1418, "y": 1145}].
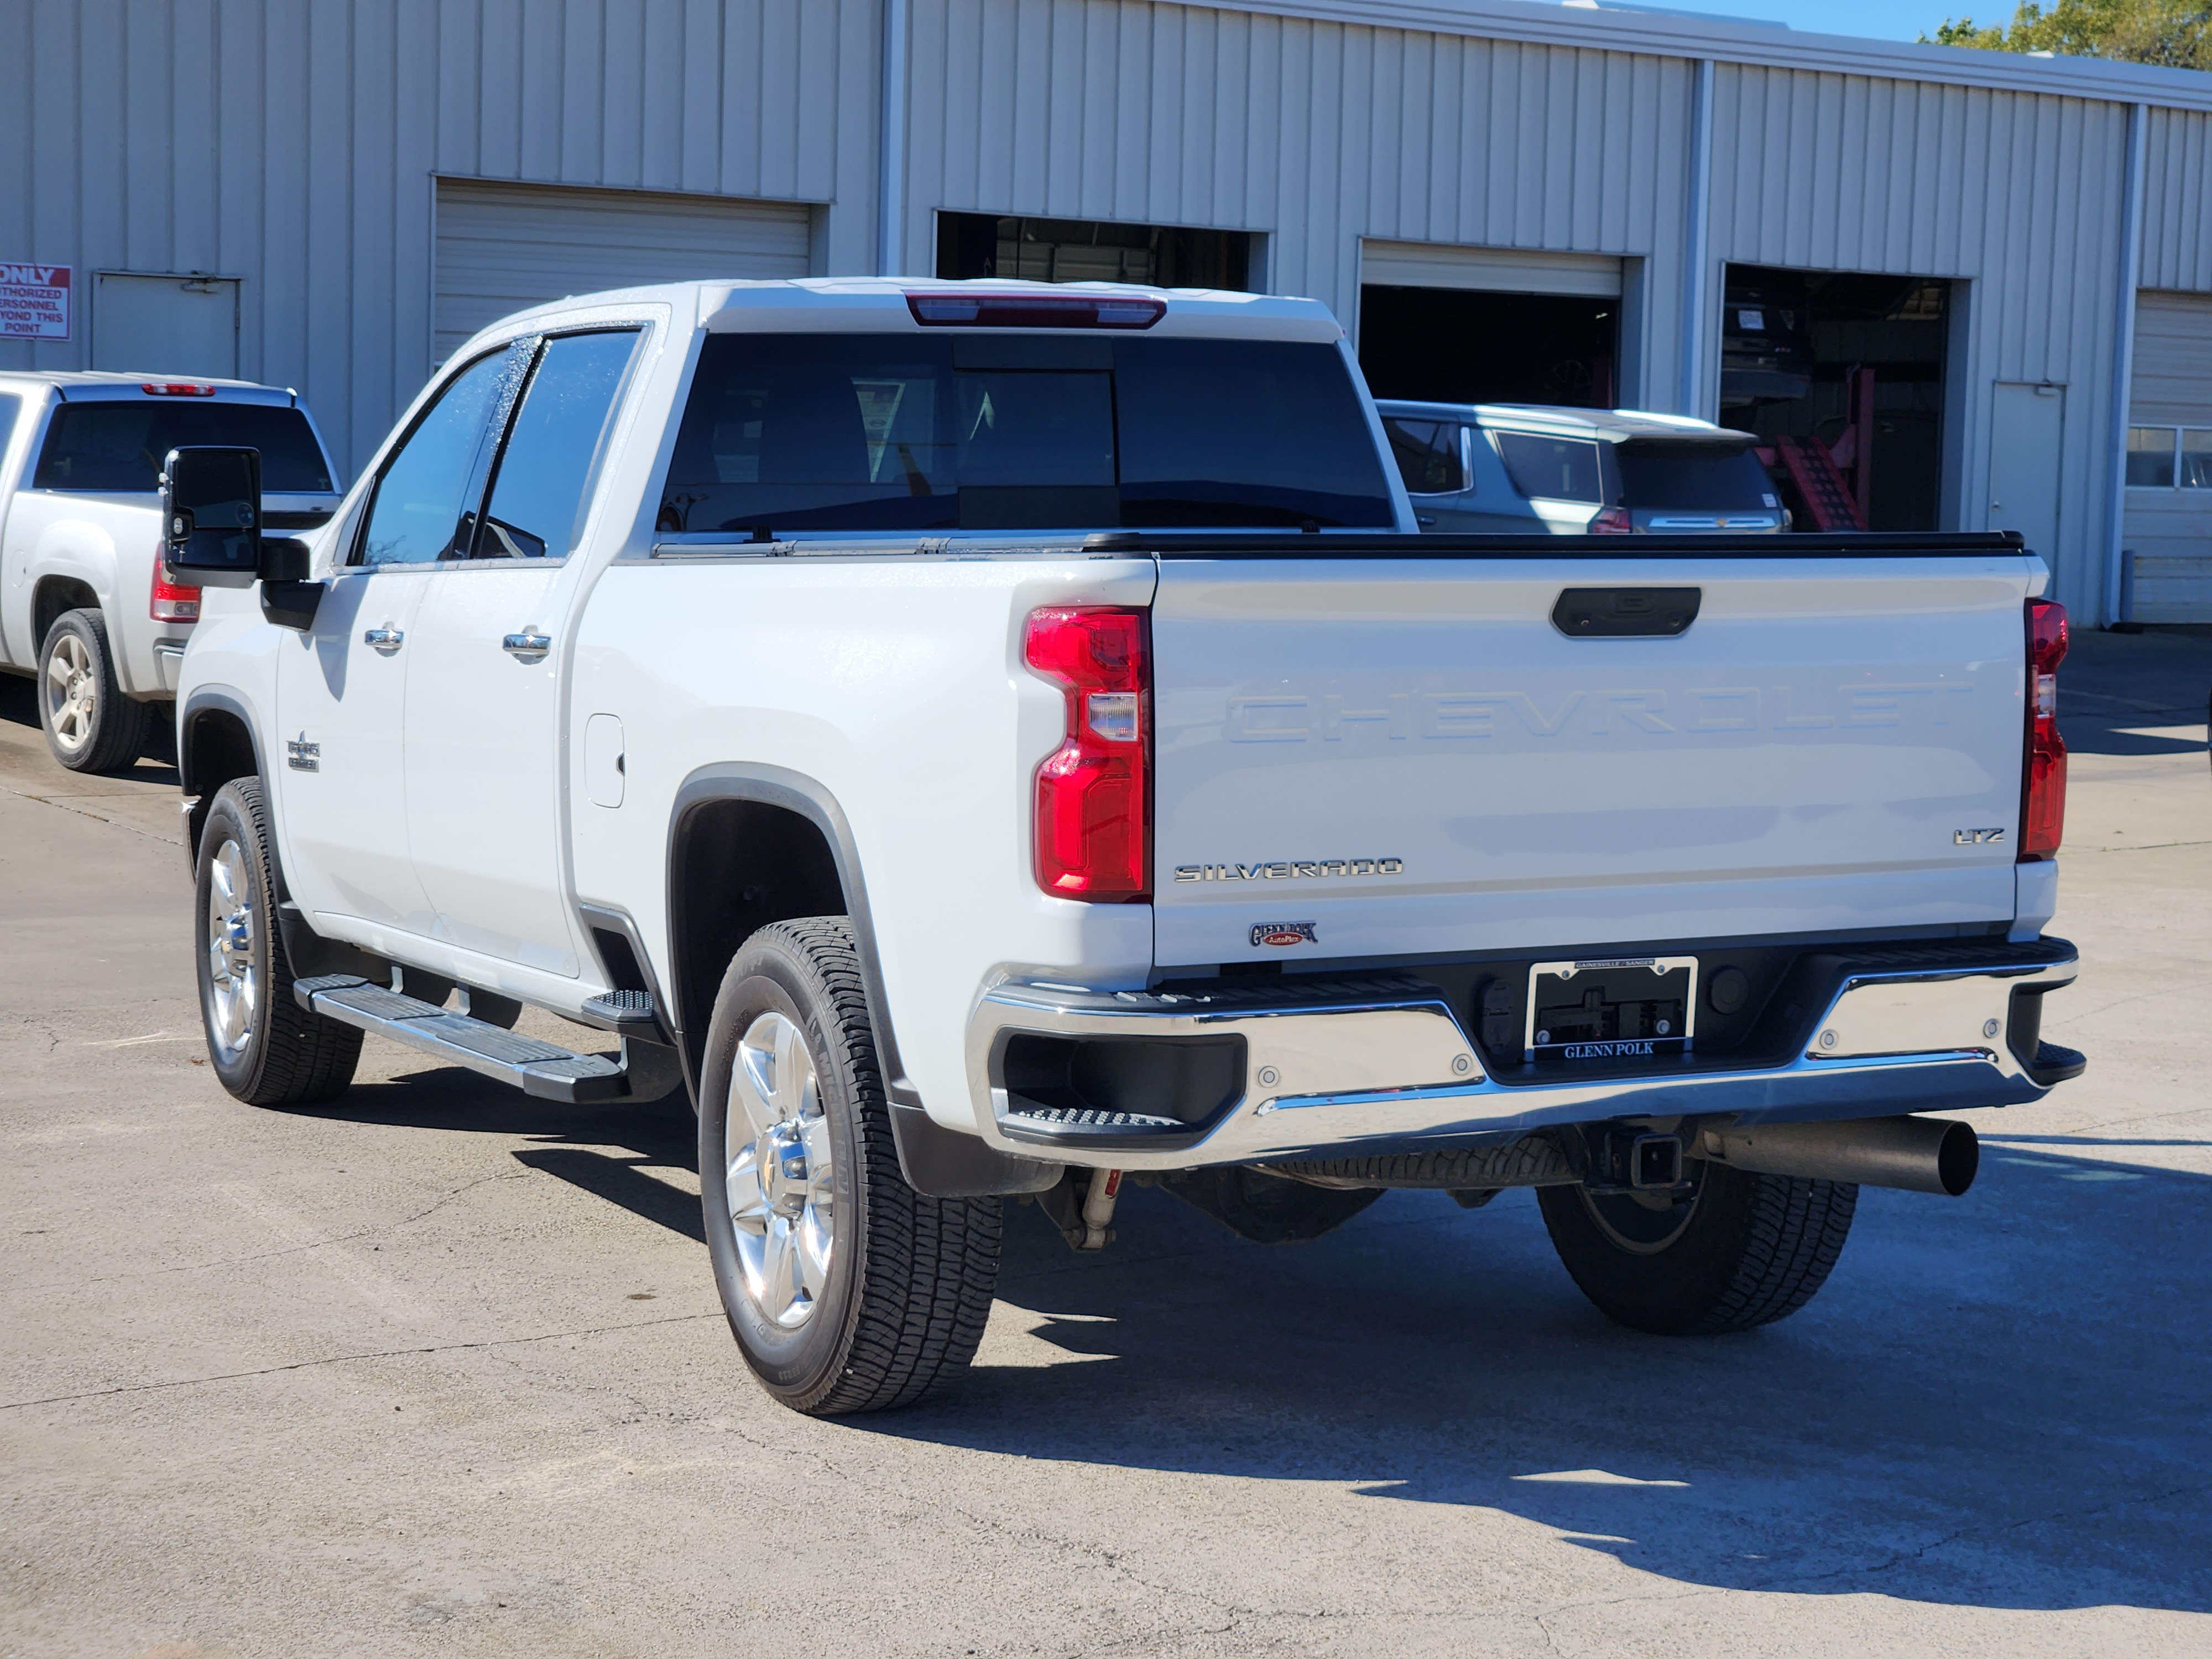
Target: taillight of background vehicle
[
  {"x": 172, "y": 602},
  {"x": 2043, "y": 789},
  {"x": 1093, "y": 804},
  {"x": 1612, "y": 522}
]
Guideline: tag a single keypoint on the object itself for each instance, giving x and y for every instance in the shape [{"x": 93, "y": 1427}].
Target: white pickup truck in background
[
  {"x": 83, "y": 603},
  {"x": 991, "y": 740}
]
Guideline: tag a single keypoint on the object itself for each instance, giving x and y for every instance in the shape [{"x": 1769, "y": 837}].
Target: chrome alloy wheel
[
  {"x": 775, "y": 1150},
  {"x": 234, "y": 975},
  {"x": 72, "y": 693}
]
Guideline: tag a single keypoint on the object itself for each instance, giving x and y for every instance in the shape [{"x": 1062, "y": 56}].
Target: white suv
[{"x": 1533, "y": 469}]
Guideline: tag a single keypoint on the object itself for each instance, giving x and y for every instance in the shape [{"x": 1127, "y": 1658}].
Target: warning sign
[{"x": 34, "y": 303}]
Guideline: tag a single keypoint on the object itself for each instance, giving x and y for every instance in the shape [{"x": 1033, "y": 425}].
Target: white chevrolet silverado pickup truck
[
  {"x": 983, "y": 741},
  {"x": 83, "y": 605}
]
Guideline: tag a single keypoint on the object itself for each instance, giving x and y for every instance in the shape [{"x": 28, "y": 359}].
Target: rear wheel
[
  {"x": 1735, "y": 1251},
  {"x": 267, "y": 1049},
  {"x": 90, "y": 726},
  {"x": 847, "y": 1290}
]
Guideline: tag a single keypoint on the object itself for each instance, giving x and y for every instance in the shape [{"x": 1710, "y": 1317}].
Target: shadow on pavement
[
  {"x": 19, "y": 708},
  {"x": 2140, "y": 694},
  {"x": 19, "y": 701},
  {"x": 2101, "y": 728},
  {"x": 572, "y": 1140},
  {"x": 1999, "y": 1401}
]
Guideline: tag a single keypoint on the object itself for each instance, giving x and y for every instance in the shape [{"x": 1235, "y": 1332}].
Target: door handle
[
  {"x": 387, "y": 639},
  {"x": 526, "y": 644}
]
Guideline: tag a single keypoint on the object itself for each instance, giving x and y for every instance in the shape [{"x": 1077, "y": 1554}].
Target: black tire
[
  {"x": 90, "y": 724},
  {"x": 907, "y": 1284},
  {"x": 283, "y": 1055},
  {"x": 1741, "y": 1251}
]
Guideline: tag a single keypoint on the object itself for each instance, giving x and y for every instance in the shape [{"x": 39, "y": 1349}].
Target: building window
[
  {"x": 2195, "y": 469},
  {"x": 1092, "y": 250},
  {"x": 2169, "y": 457},
  {"x": 2151, "y": 457}
]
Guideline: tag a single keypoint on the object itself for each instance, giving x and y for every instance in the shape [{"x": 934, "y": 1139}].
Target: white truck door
[
  {"x": 341, "y": 687},
  {"x": 483, "y": 720}
]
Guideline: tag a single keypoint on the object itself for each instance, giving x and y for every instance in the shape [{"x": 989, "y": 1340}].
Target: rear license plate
[{"x": 1611, "y": 1009}]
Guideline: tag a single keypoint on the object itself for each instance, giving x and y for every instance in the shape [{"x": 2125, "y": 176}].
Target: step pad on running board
[{"x": 543, "y": 1069}]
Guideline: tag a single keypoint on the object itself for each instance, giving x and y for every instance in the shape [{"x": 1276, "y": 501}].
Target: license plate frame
[{"x": 1653, "y": 986}]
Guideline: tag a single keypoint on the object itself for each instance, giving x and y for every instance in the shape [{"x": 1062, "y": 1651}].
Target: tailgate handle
[{"x": 1612, "y": 613}]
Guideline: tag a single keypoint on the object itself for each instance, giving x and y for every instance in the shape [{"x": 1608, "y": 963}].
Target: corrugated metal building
[{"x": 1995, "y": 271}]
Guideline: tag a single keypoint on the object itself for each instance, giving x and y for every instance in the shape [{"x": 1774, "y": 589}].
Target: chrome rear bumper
[{"x": 1380, "y": 1062}]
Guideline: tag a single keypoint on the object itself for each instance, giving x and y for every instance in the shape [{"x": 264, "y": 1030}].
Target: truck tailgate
[{"x": 1363, "y": 755}]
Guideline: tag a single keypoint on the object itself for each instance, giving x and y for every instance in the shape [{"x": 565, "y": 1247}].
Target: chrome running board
[{"x": 543, "y": 1069}]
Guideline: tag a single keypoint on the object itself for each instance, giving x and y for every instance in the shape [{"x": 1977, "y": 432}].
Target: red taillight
[
  {"x": 2043, "y": 785},
  {"x": 1612, "y": 522},
  {"x": 956, "y": 308},
  {"x": 1093, "y": 812},
  {"x": 172, "y": 602},
  {"x": 177, "y": 389}
]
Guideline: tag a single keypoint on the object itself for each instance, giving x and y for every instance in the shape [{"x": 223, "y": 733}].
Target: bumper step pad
[
  {"x": 628, "y": 1013},
  {"x": 543, "y": 1069}
]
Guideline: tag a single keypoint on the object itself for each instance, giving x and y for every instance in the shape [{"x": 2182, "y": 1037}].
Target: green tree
[{"x": 2176, "y": 33}]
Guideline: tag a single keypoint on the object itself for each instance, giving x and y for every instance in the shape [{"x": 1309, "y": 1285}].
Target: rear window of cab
[
  {"x": 117, "y": 446},
  {"x": 892, "y": 432}
]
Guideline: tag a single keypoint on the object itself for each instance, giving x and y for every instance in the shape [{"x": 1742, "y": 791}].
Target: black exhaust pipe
[{"x": 1916, "y": 1154}]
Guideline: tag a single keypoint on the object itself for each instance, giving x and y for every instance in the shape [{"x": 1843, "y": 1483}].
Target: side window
[
  {"x": 2151, "y": 457},
  {"x": 1551, "y": 469},
  {"x": 424, "y": 503},
  {"x": 2195, "y": 457},
  {"x": 1428, "y": 455},
  {"x": 543, "y": 483}
]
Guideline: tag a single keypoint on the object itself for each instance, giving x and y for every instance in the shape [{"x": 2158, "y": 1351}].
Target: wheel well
[
  {"x": 734, "y": 867},
  {"x": 53, "y": 596},
  {"x": 215, "y": 748}
]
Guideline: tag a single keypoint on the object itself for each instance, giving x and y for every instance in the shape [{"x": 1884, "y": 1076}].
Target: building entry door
[
  {"x": 185, "y": 326},
  {"x": 2026, "y": 433}
]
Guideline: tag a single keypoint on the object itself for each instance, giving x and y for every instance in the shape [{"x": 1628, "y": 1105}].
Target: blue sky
[{"x": 1886, "y": 20}]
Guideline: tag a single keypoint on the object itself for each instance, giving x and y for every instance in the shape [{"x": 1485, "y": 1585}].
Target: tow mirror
[{"x": 211, "y": 516}]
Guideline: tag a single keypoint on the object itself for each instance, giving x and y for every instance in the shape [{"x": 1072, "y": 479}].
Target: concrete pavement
[{"x": 439, "y": 1369}]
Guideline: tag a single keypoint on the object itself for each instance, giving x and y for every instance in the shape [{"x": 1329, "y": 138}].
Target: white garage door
[
  {"x": 502, "y": 247},
  {"x": 1490, "y": 269},
  {"x": 2168, "y": 528}
]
